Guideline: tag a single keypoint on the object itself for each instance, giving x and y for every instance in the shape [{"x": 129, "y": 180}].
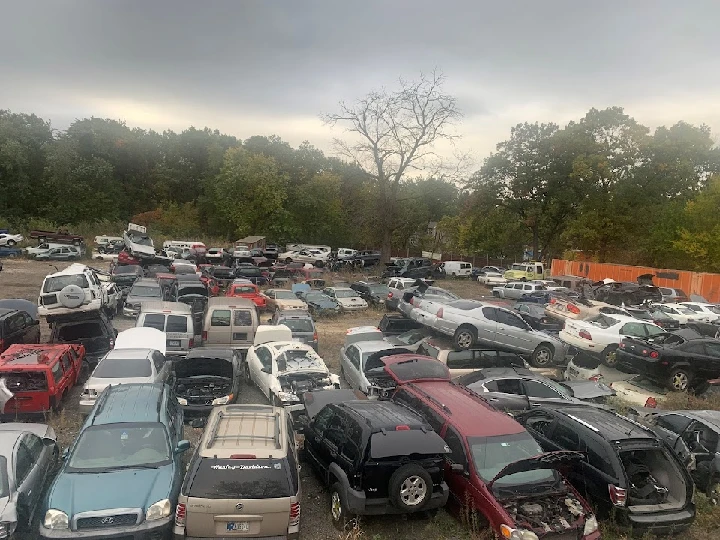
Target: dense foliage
[{"x": 604, "y": 185}]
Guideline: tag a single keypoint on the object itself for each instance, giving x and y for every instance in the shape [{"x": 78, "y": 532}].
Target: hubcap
[
  {"x": 714, "y": 494},
  {"x": 413, "y": 490},
  {"x": 335, "y": 506},
  {"x": 680, "y": 381},
  {"x": 543, "y": 356},
  {"x": 464, "y": 339},
  {"x": 610, "y": 358}
]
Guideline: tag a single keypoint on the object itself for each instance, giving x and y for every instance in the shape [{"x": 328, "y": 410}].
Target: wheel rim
[
  {"x": 335, "y": 506},
  {"x": 610, "y": 358},
  {"x": 680, "y": 381},
  {"x": 542, "y": 357},
  {"x": 464, "y": 339},
  {"x": 413, "y": 491},
  {"x": 714, "y": 493}
]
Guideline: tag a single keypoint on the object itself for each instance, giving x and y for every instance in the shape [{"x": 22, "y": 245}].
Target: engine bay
[{"x": 552, "y": 513}]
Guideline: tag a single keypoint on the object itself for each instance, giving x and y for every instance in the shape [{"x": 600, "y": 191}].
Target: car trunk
[
  {"x": 89, "y": 334},
  {"x": 655, "y": 481},
  {"x": 201, "y": 380},
  {"x": 30, "y": 391},
  {"x": 239, "y": 498}
]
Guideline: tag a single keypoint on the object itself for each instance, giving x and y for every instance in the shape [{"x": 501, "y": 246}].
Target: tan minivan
[
  {"x": 173, "y": 318},
  {"x": 230, "y": 322},
  {"x": 243, "y": 480}
]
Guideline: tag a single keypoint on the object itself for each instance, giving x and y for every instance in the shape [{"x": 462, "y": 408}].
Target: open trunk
[
  {"x": 201, "y": 380},
  {"x": 655, "y": 481}
]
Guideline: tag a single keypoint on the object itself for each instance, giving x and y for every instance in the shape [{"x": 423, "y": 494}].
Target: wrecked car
[
  {"x": 206, "y": 378},
  {"x": 283, "y": 369},
  {"x": 629, "y": 473},
  {"x": 619, "y": 293}
]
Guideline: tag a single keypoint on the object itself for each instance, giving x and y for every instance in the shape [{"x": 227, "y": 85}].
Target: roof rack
[
  {"x": 432, "y": 399},
  {"x": 250, "y": 413}
]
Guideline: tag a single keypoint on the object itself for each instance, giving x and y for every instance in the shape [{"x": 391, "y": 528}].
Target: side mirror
[
  {"x": 457, "y": 468},
  {"x": 65, "y": 454},
  {"x": 182, "y": 446}
]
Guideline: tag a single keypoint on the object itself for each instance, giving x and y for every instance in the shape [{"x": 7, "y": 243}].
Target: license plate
[
  {"x": 238, "y": 526},
  {"x": 173, "y": 343}
]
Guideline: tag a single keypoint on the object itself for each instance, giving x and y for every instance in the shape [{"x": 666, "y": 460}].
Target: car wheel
[
  {"x": 410, "y": 487},
  {"x": 679, "y": 380},
  {"x": 609, "y": 356},
  {"x": 341, "y": 518},
  {"x": 713, "y": 491},
  {"x": 542, "y": 356},
  {"x": 288, "y": 260},
  {"x": 465, "y": 337},
  {"x": 11, "y": 243},
  {"x": 319, "y": 264},
  {"x": 246, "y": 374}
]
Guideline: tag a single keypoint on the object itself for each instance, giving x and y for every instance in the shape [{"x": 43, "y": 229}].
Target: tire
[
  {"x": 465, "y": 337},
  {"x": 542, "y": 356},
  {"x": 713, "y": 491},
  {"x": 288, "y": 260},
  {"x": 342, "y": 519},
  {"x": 246, "y": 375},
  {"x": 523, "y": 279},
  {"x": 608, "y": 356},
  {"x": 11, "y": 243},
  {"x": 76, "y": 242},
  {"x": 679, "y": 380},
  {"x": 71, "y": 296},
  {"x": 453, "y": 275},
  {"x": 410, "y": 487},
  {"x": 101, "y": 250},
  {"x": 319, "y": 264}
]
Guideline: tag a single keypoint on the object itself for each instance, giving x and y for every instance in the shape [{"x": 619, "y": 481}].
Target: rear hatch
[
  {"x": 240, "y": 498},
  {"x": 178, "y": 330},
  {"x": 92, "y": 334},
  {"x": 29, "y": 389}
]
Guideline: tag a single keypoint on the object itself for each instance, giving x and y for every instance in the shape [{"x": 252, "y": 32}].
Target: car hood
[
  {"x": 548, "y": 460},
  {"x": 132, "y": 299},
  {"x": 129, "y": 488},
  {"x": 99, "y": 384},
  {"x": 350, "y": 301},
  {"x": 290, "y": 302},
  {"x": 330, "y": 304},
  {"x": 588, "y": 389}
]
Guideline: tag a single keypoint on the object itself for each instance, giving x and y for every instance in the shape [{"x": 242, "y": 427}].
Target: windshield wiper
[{"x": 136, "y": 466}]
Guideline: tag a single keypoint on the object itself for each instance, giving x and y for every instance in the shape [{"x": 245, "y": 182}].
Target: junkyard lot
[{"x": 22, "y": 279}]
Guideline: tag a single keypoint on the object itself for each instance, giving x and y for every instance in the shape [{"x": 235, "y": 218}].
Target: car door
[
  {"x": 28, "y": 476},
  {"x": 539, "y": 393},
  {"x": 670, "y": 428},
  {"x": 162, "y": 367},
  {"x": 513, "y": 332},
  {"x": 314, "y": 445},
  {"x": 13, "y": 330},
  {"x": 710, "y": 367},
  {"x": 31, "y": 329},
  {"x": 504, "y": 394},
  {"x": 352, "y": 366},
  {"x": 702, "y": 440},
  {"x": 262, "y": 370},
  {"x": 487, "y": 325}
]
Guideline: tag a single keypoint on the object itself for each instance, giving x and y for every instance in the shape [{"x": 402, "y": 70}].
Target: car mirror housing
[
  {"x": 457, "y": 468},
  {"x": 182, "y": 446}
]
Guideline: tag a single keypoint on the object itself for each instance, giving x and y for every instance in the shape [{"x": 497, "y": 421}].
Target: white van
[
  {"x": 196, "y": 248},
  {"x": 346, "y": 253},
  {"x": 299, "y": 247},
  {"x": 173, "y": 318},
  {"x": 457, "y": 268}
]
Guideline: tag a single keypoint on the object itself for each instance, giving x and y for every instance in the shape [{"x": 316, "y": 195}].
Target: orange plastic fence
[{"x": 705, "y": 284}]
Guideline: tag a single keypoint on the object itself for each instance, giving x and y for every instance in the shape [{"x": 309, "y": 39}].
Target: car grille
[
  {"x": 104, "y": 522},
  {"x": 49, "y": 299},
  {"x": 200, "y": 400}
]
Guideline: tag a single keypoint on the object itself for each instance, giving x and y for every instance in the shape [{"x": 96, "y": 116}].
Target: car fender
[
  {"x": 335, "y": 380},
  {"x": 336, "y": 474}
]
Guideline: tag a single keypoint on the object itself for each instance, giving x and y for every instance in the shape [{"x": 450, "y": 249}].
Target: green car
[{"x": 122, "y": 475}]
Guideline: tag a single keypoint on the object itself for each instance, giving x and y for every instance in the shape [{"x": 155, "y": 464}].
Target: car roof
[
  {"x": 213, "y": 352},
  {"x": 7, "y": 441},
  {"x": 130, "y": 353},
  {"x": 6, "y": 312},
  {"x": 134, "y": 402},
  {"x": 31, "y": 354},
  {"x": 455, "y": 402},
  {"x": 508, "y": 372},
  {"x": 379, "y": 415},
  {"x": 371, "y": 346},
  {"x": 165, "y": 307},
  {"x": 707, "y": 416},
  {"x": 606, "y": 423},
  {"x": 230, "y": 301},
  {"x": 73, "y": 269}
]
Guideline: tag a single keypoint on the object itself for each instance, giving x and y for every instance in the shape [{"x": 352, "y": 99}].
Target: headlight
[
  {"x": 7, "y": 529},
  {"x": 517, "y": 534},
  {"x": 287, "y": 396},
  {"x": 222, "y": 400},
  {"x": 55, "y": 519},
  {"x": 159, "y": 510},
  {"x": 182, "y": 401},
  {"x": 591, "y": 525}
]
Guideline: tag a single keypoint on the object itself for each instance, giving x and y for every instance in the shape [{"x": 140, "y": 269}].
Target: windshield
[
  {"x": 58, "y": 283},
  {"x": 381, "y": 290},
  {"x": 122, "y": 368},
  {"x": 298, "y": 325},
  {"x": 412, "y": 336},
  {"x": 120, "y": 446},
  {"x": 244, "y": 290},
  {"x": 142, "y": 240},
  {"x": 685, "y": 311},
  {"x": 128, "y": 269},
  {"x": 299, "y": 359},
  {"x": 145, "y": 291},
  {"x": 491, "y": 454},
  {"x": 518, "y": 267},
  {"x": 241, "y": 479},
  {"x": 285, "y": 295},
  {"x": 318, "y": 297},
  {"x": 346, "y": 293},
  {"x": 199, "y": 290}
]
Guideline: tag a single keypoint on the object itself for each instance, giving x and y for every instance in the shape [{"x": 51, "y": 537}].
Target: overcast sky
[{"x": 271, "y": 66}]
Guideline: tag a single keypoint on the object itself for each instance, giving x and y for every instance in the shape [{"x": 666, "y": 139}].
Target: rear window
[
  {"x": 298, "y": 325},
  {"x": 242, "y": 317},
  {"x": 241, "y": 479},
  {"x": 83, "y": 330},
  {"x": 199, "y": 290},
  {"x": 25, "y": 381},
  {"x": 155, "y": 320},
  {"x": 244, "y": 290},
  {"x": 177, "y": 323},
  {"x": 120, "y": 368},
  {"x": 58, "y": 283},
  {"x": 146, "y": 291},
  {"x": 418, "y": 368}
]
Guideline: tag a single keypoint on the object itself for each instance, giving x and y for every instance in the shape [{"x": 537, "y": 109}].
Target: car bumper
[
  {"x": 160, "y": 529},
  {"x": 580, "y": 343},
  {"x": 661, "y": 523},
  {"x": 358, "y": 504},
  {"x": 57, "y": 309},
  {"x": 86, "y": 405},
  {"x": 354, "y": 308},
  {"x": 291, "y": 536},
  {"x": 131, "y": 312}
]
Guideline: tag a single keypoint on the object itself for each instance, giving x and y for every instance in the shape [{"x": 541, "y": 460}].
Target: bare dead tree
[{"x": 395, "y": 134}]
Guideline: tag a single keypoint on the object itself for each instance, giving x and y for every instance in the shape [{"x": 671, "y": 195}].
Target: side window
[
  {"x": 508, "y": 386},
  {"x": 713, "y": 349},
  {"x": 457, "y": 449},
  {"x": 673, "y": 422},
  {"x": 695, "y": 348},
  {"x": 35, "y": 446},
  {"x": 354, "y": 356},
  {"x": 523, "y": 309},
  {"x": 220, "y": 317},
  {"x": 154, "y": 320},
  {"x": 66, "y": 363},
  {"x": 321, "y": 420},
  {"x": 490, "y": 313},
  {"x": 528, "y": 287},
  {"x": 351, "y": 447},
  {"x": 538, "y": 389},
  {"x": 28, "y": 320},
  {"x": 566, "y": 438},
  {"x": 158, "y": 360},
  {"x": 598, "y": 457},
  {"x": 633, "y": 329},
  {"x": 23, "y": 462},
  {"x": 460, "y": 360},
  {"x": 518, "y": 286},
  {"x": 265, "y": 357},
  {"x": 510, "y": 319},
  {"x": 335, "y": 431},
  {"x": 57, "y": 371},
  {"x": 540, "y": 423}
]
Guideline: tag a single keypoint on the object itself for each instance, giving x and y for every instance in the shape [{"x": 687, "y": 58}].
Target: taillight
[
  {"x": 622, "y": 345},
  {"x": 402, "y": 427},
  {"x": 204, "y": 335},
  {"x": 585, "y": 334},
  {"x": 553, "y": 301},
  {"x": 192, "y": 343},
  {"x": 390, "y": 295},
  {"x": 112, "y": 344},
  {"x": 180, "y": 512},
  {"x": 654, "y": 354},
  {"x": 595, "y": 378},
  {"x": 651, "y": 403},
  {"x": 440, "y": 313},
  {"x": 412, "y": 300},
  {"x": 618, "y": 496},
  {"x": 572, "y": 308},
  {"x": 294, "y": 514},
  {"x": 315, "y": 335}
]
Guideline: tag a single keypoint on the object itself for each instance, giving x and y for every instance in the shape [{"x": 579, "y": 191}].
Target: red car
[
  {"x": 124, "y": 257},
  {"x": 39, "y": 376},
  {"x": 249, "y": 291},
  {"x": 495, "y": 467}
]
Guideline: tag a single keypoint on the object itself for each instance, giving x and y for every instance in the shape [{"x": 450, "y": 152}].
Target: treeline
[
  {"x": 197, "y": 183},
  {"x": 603, "y": 185}
]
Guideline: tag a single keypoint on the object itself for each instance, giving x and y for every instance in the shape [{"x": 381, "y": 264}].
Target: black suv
[
  {"x": 629, "y": 473},
  {"x": 378, "y": 457},
  {"x": 373, "y": 293},
  {"x": 93, "y": 330},
  {"x": 394, "y": 325}
]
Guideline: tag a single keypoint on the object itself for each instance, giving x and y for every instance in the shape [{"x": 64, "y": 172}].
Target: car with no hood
[{"x": 207, "y": 377}]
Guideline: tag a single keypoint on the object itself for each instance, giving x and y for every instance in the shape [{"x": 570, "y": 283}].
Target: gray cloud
[{"x": 251, "y": 67}]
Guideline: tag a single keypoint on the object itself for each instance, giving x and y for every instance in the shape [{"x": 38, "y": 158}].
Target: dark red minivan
[{"x": 39, "y": 376}]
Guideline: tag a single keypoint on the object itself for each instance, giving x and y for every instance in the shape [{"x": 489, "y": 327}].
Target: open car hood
[
  {"x": 548, "y": 460},
  {"x": 315, "y": 401},
  {"x": 416, "y": 368},
  {"x": 375, "y": 360},
  {"x": 588, "y": 389}
]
